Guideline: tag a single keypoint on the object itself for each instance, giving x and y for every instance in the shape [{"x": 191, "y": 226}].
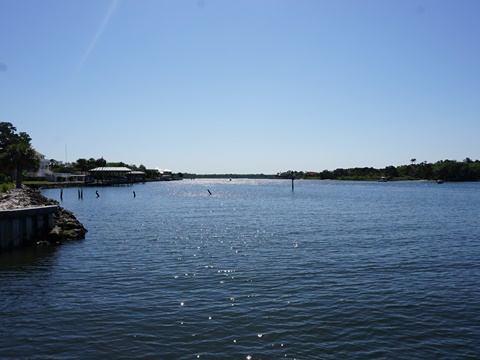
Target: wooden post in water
[{"x": 293, "y": 185}]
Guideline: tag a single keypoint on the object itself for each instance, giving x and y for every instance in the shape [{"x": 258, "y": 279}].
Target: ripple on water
[{"x": 333, "y": 270}]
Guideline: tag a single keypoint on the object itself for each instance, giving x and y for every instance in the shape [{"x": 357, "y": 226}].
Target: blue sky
[{"x": 243, "y": 86}]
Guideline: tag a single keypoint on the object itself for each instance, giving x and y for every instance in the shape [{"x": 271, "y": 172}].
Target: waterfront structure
[
  {"x": 136, "y": 176},
  {"x": 164, "y": 175},
  {"x": 22, "y": 227},
  {"x": 114, "y": 175}
]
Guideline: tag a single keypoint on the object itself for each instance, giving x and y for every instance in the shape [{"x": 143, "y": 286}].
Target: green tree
[
  {"x": 18, "y": 157},
  {"x": 82, "y": 165},
  {"x": 8, "y": 136},
  {"x": 91, "y": 163},
  {"x": 326, "y": 174},
  {"x": 117, "y": 164},
  {"x": 7, "y": 133},
  {"x": 53, "y": 164},
  {"x": 340, "y": 173},
  {"x": 16, "y": 152},
  {"x": 101, "y": 162},
  {"x": 391, "y": 172}
]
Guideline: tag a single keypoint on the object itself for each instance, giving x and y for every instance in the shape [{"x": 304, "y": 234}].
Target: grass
[
  {"x": 11, "y": 185},
  {"x": 6, "y": 187},
  {"x": 38, "y": 183}
]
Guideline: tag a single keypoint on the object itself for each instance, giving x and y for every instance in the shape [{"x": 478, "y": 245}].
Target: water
[{"x": 333, "y": 270}]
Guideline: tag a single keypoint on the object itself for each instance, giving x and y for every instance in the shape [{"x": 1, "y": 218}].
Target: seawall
[{"x": 23, "y": 227}]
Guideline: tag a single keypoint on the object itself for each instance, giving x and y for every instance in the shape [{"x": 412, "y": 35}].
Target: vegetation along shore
[
  {"x": 18, "y": 161},
  {"x": 446, "y": 170}
]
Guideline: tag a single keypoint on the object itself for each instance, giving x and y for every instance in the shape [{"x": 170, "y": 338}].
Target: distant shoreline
[{"x": 39, "y": 186}]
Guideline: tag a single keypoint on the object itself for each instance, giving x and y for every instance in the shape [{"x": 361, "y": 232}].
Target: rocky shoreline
[{"x": 66, "y": 226}]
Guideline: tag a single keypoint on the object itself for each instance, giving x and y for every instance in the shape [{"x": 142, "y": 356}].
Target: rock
[
  {"x": 55, "y": 234},
  {"x": 71, "y": 228}
]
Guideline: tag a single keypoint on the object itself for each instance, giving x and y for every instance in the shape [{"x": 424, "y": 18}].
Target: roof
[{"x": 111, "y": 169}]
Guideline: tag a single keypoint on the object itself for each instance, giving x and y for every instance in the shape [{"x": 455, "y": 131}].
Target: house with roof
[{"x": 43, "y": 170}]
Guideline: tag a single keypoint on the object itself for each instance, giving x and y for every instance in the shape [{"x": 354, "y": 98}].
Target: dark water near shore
[{"x": 333, "y": 270}]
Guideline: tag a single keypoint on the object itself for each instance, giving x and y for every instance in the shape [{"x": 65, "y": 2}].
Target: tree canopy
[
  {"x": 16, "y": 152},
  {"x": 447, "y": 170},
  {"x": 8, "y": 136}
]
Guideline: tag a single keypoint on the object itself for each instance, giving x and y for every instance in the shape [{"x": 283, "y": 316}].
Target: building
[
  {"x": 114, "y": 176},
  {"x": 43, "y": 171}
]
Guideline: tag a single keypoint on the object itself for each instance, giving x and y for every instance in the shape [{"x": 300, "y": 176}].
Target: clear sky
[{"x": 244, "y": 86}]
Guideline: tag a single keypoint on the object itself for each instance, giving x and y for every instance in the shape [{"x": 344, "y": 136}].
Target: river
[{"x": 249, "y": 269}]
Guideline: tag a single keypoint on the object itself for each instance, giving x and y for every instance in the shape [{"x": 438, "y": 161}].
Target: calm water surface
[{"x": 333, "y": 270}]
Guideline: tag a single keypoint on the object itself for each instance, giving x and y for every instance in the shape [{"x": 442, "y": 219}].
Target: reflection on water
[{"x": 36, "y": 256}]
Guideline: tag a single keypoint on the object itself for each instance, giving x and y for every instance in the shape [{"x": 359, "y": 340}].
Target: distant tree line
[{"x": 446, "y": 170}]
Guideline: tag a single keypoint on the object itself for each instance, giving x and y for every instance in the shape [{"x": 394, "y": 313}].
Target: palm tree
[
  {"x": 18, "y": 157},
  {"x": 413, "y": 161}
]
